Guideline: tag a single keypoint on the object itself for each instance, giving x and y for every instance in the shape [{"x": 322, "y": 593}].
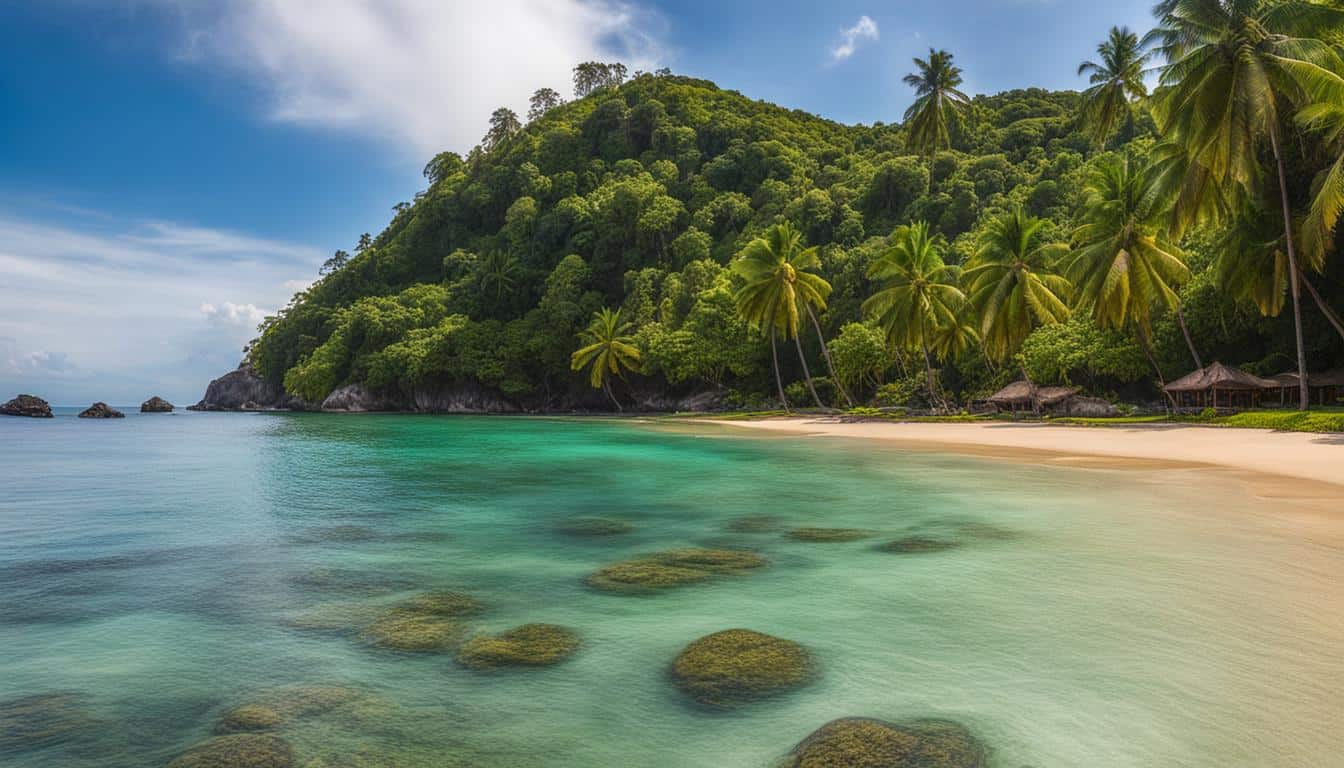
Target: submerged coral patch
[
  {"x": 672, "y": 568},
  {"x": 42, "y": 720},
  {"x": 914, "y": 545},
  {"x": 735, "y": 666},
  {"x": 829, "y": 535},
  {"x": 594, "y": 526},
  {"x": 413, "y": 632},
  {"x": 527, "y": 645},
  {"x": 442, "y": 603},
  {"x": 240, "y": 750},
  {"x": 755, "y": 524},
  {"x": 860, "y": 742}
]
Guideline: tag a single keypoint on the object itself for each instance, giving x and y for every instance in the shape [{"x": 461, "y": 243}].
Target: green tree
[
  {"x": 778, "y": 289},
  {"x": 1011, "y": 282},
  {"x": 608, "y": 350},
  {"x": 919, "y": 293},
  {"x": 543, "y": 100},
  {"x": 499, "y": 275},
  {"x": 938, "y": 103},
  {"x": 1122, "y": 267},
  {"x": 1234, "y": 71},
  {"x": 1117, "y": 80},
  {"x": 503, "y": 125}
]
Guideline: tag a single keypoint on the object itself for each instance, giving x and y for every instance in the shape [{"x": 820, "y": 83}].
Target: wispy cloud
[
  {"x": 92, "y": 309},
  {"x": 851, "y": 38},
  {"x": 423, "y": 73}
]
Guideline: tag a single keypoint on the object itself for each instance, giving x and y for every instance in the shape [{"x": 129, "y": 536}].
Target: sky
[{"x": 172, "y": 171}]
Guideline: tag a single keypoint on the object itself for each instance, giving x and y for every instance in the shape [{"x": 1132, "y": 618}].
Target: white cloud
[
  {"x": 94, "y": 310},
  {"x": 850, "y": 39},
  {"x": 426, "y": 73}
]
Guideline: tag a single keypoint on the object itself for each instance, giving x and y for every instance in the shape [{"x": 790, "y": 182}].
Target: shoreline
[{"x": 1312, "y": 464}]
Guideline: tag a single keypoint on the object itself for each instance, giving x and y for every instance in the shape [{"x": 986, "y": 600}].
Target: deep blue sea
[{"x": 158, "y": 571}]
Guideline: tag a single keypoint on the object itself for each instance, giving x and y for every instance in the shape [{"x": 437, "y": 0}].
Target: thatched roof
[
  {"x": 1019, "y": 393},
  {"x": 1219, "y": 376},
  {"x": 1328, "y": 379}
]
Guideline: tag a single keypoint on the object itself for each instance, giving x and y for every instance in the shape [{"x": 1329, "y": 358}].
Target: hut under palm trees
[
  {"x": 1018, "y": 396},
  {"x": 1219, "y": 386},
  {"x": 1323, "y": 388}
]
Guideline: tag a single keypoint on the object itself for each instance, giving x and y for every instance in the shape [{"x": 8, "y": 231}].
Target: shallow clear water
[{"x": 154, "y": 566}]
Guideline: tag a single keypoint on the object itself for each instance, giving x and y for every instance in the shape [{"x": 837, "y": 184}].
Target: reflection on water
[{"x": 257, "y": 584}]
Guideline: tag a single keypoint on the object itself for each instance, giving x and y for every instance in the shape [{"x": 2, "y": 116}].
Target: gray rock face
[
  {"x": 244, "y": 390},
  {"x": 101, "y": 411},
  {"x": 27, "y": 405},
  {"x": 156, "y": 404},
  {"x": 459, "y": 399},
  {"x": 354, "y": 398}
]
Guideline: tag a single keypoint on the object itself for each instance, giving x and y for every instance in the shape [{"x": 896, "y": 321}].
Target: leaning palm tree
[
  {"x": 938, "y": 103},
  {"x": 1235, "y": 70},
  {"x": 1011, "y": 282},
  {"x": 1117, "y": 81},
  {"x": 919, "y": 293},
  {"x": 1122, "y": 267},
  {"x": 779, "y": 289},
  {"x": 608, "y": 350}
]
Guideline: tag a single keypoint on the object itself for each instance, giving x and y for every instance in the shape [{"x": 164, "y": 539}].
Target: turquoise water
[{"x": 154, "y": 567}]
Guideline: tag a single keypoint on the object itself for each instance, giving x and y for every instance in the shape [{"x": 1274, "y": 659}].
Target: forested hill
[{"x": 637, "y": 198}]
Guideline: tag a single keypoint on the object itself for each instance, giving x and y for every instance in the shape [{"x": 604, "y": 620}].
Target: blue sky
[{"x": 172, "y": 170}]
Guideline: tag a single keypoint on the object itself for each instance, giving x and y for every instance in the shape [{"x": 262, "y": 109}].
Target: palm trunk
[
  {"x": 826, "y": 353},
  {"x": 1302, "y": 392},
  {"x": 807, "y": 375},
  {"x": 606, "y": 387},
  {"x": 1031, "y": 387},
  {"x": 779, "y": 383},
  {"x": 1189, "y": 342},
  {"x": 1161, "y": 381},
  {"x": 1325, "y": 308},
  {"x": 928, "y": 373}
]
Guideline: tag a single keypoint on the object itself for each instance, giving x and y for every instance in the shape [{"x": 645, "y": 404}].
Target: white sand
[{"x": 1314, "y": 457}]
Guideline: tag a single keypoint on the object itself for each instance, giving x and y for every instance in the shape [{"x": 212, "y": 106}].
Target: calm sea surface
[{"x": 159, "y": 570}]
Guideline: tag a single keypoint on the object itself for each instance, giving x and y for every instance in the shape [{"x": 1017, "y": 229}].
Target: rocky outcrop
[
  {"x": 465, "y": 398},
  {"x": 156, "y": 404},
  {"x": 354, "y": 398},
  {"x": 101, "y": 411},
  {"x": 27, "y": 405},
  {"x": 1087, "y": 408},
  {"x": 244, "y": 390}
]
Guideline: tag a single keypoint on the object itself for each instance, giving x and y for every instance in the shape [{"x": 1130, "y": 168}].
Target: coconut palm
[
  {"x": 1235, "y": 69},
  {"x": 1011, "y": 282},
  {"x": 499, "y": 274},
  {"x": 919, "y": 293},
  {"x": 1116, "y": 82},
  {"x": 1122, "y": 266},
  {"x": 608, "y": 350},
  {"x": 938, "y": 103},
  {"x": 779, "y": 289}
]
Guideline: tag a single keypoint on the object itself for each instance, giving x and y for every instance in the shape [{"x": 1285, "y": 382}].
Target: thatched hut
[
  {"x": 1322, "y": 388},
  {"x": 1219, "y": 386},
  {"x": 1017, "y": 396}
]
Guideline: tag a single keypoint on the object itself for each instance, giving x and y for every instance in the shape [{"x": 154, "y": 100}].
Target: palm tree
[
  {"x": 778, "y": 290},
  {"x": 1116, "y": 81},
  {"x": 1122, "y": 267},
  {"x": 499, "y": 273},
  {"x": 608, "y": 349},
  {"x": 919, "y": 293},
  {"x": 1234, "y": 70},
  {"x": 1011, "y": 283},
  {"x": 1326, "y": 115},
  {"x": 937, "y": 105}
]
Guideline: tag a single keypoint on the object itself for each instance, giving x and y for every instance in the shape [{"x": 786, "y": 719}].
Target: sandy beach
[{"x": 1264, "y": 458}]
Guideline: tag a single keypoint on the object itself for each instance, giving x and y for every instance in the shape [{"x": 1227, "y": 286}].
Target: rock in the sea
[
  {"x": 240, "y": 750},
  {"x": 281, "y": 706},
  {"x": 242, "y": 389},
  {"x": 249, "y": 717},
  {"x": 101, "y": 411},
  {"x": 673, "y": 568},
  {"x": 413, "y": 632},
  {"x": 42, "y": 720},
  {"x": 860, "y": 742},
  {"x": 27, "y": 405},
  {"x": 755, "y": 524},
  {"x": 736, "y": 666},
  {"x": 530, "y": 645},
  {"x": 829, "y": 535},
  {"x": 355, "y": 398},
  {"x": 156, "y": 404}
]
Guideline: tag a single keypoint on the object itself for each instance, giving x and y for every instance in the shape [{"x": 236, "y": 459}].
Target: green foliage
[{"x": 1079, "y": 352}]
